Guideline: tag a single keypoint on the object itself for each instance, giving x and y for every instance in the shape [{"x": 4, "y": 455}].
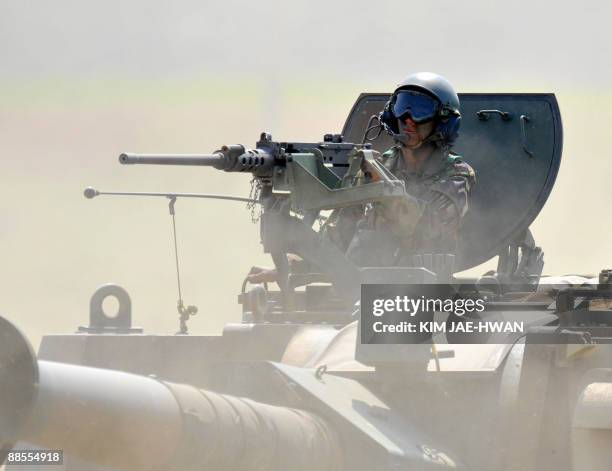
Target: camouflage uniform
[{"x": 390, "y": 233}]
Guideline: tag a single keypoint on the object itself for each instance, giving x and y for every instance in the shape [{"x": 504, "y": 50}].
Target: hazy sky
[{"x": 473, "y": 42}]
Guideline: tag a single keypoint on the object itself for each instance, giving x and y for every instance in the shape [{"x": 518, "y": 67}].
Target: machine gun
[
  {"x": 317, "y": 176},
  {"x": 294, "y": 182}
]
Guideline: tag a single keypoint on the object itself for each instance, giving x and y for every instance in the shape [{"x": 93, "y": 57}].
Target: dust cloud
[{"x": 80, "y": 84}]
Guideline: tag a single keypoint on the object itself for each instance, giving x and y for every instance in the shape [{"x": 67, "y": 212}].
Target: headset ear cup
[
  {"x": 456, "y": 125},
  {"x": 448, "y": 130},
  {"x": 452, "y": 130}
]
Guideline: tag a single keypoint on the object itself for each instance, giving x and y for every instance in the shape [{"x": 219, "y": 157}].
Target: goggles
[{"x": 418, "y": 106}]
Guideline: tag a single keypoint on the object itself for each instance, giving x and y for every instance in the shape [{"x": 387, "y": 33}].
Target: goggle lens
[{"x": 418, "y": 106}]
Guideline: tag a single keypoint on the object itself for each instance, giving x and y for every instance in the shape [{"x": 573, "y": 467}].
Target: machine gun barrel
[
  {"x": 233, "y": 158},
  {"x": 133, "y": 422},
  {"x": 206, "y": 160}
]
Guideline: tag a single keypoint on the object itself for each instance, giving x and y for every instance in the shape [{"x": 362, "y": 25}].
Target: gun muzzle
[
  {"x": 205, "y": 160},
  {"x": 126, "y": 421}
]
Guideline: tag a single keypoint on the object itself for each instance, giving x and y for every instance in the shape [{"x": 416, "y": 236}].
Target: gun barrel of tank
[
  {"x": 216, "y": 160},
  {"x": 133, "y": 422}
]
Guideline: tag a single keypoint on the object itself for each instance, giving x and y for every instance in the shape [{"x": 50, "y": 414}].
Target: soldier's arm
[{"x": 447, "y": 206}]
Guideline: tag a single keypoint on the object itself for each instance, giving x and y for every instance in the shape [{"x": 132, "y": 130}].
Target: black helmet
[{"x": 424, "y": 96}]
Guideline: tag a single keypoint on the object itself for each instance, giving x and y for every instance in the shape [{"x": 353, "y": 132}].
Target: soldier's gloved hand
[{"x": 262, "y": 275}]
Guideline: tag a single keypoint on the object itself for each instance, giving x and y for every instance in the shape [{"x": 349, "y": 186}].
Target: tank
[{"x": 294, "y": 385}]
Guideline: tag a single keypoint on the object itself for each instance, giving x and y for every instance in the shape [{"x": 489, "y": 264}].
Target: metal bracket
[
  {"x": 99, "y": 321},
  {"x": 484, "y": 115},
  {"x": 525, "y": 119},
  {"x": 256, "y": 299}
]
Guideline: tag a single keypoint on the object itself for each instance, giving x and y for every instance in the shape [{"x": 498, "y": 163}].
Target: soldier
[{"x": 423, "y": 118}]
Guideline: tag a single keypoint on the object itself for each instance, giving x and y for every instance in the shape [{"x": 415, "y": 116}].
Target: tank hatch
[{"x": 513, "y": 141}]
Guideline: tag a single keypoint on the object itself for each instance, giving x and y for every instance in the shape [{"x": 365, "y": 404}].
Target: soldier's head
[{"x": 423, "y": 108}]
